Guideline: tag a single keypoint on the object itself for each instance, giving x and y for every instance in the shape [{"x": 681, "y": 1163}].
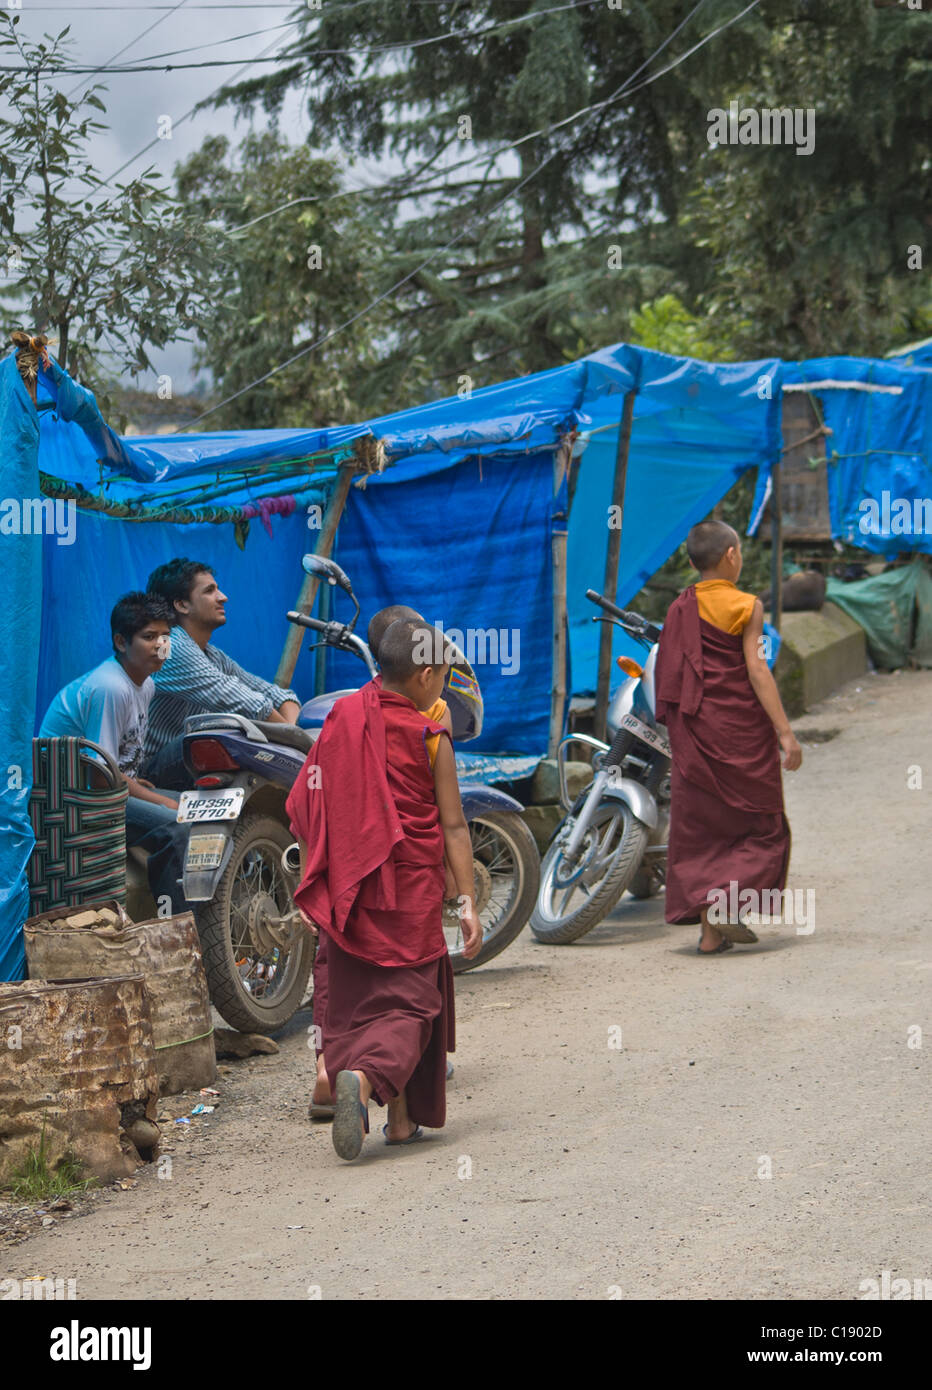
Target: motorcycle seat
[{"x": 289, "y": 735}]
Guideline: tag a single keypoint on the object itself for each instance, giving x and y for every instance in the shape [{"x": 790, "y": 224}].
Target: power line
[
  {"x": 309, "y": 53},
  {"x": 202, "y": 101},
  {"x": 622, "y": 90},
  {"x": 133, "y": 42},
  {"x": 215, "y": 43},
  {"x": 485, "y": 156},
  {"x": 150, "y": 67},
  {"x": 237, "y": 5},
  {"x": 181, "y": 119}
]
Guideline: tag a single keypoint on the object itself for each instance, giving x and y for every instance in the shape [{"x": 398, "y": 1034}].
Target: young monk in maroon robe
[
  {"x": 727, "y": 728},
  {"x": 373, "y": 818},
  {"x": 321, "y": 1107}
]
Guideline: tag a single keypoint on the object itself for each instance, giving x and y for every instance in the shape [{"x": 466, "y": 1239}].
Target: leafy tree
[
  {"x": 106, "y": 272},
  {"x": 666, "y": 325},
  {"x": 514, "y": 203},
  {"x": 300, "y": 263},
  {"x": 811, "y": 255},
  {"x": 512, "y": 200}
]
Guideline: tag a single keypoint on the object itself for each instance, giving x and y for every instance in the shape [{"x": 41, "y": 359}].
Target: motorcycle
[
  {"x": 614, "y": 835},
  {"x": 241, "y": 862}
]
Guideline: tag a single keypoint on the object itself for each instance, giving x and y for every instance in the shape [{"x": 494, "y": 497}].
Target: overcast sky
[{"x": 135, "y": 31}]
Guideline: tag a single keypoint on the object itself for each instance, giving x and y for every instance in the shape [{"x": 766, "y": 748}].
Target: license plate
[
  {"x": 646, "y": 734},
  {"x": 205, "y": 851},
  {"x": 195, "y": 806}
]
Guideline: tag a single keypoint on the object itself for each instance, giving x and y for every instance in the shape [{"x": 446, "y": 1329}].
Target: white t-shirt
[{"x": 109, "y": 708}]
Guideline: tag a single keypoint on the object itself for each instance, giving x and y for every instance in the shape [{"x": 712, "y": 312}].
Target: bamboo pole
[
  {"x": 306, "y": 597},
  {"x": 613, "y": 553},
  {"x": 561, "y": 465},
  {"x": 776, "y": 547}
]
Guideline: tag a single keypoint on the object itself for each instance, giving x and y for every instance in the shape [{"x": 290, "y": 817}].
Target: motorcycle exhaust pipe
[{"x": 291, "y": 860}]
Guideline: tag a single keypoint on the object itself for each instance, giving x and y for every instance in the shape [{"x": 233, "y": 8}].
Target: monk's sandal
[{"x": 350, "y": 1116}]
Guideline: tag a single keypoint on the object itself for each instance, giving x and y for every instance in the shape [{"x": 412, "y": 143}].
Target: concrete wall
[{"x": 820, "y": 652}]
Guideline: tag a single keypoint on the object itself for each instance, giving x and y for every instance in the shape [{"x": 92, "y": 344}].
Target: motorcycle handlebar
[
  {"x": 632, "y": 622},
  {"x": 314, "y": 624},
  {"x": 611, "y": 608},
  {"x": 336, "y": 635}
]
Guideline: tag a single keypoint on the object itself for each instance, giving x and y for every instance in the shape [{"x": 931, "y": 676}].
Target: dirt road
[{"x": 761, "y": 1132}]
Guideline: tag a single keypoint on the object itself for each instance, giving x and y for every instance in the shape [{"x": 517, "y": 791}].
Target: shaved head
[
  {"x": 707, "y": 543},
  {"x": 410, "y": 645},
  {"x": 380, "y": 622}
]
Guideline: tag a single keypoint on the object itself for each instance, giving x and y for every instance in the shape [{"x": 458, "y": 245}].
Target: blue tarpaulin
[
  {"x": 24, "y": 519},
  {"x": 879, "y": 452},
  {"x": 697, "y": 427},
  {"x": 20, "y": 612},
  {"x": 460, "y": 525}
]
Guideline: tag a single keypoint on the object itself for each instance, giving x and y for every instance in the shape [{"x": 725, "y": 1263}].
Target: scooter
[
  {"x": 614, "y": 836},
  {"x": 241, "y": 862}
]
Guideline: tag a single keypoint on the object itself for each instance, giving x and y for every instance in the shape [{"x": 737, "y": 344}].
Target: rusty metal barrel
[
  {"x": 77, "y": 1075},
  {"x": 165, "y": 950}
]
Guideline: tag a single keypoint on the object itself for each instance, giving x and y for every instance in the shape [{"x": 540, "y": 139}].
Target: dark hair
[
  {"x": 380, "y": 622},
  {"x": 174, "y": 581},
  {"x": 134, "y": 611},
  {"x": 707, "y": 543},
  {"x": 409, "y": 645}
]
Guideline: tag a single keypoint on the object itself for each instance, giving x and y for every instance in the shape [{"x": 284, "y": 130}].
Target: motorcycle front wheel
[
  {"x": 257, "y": 956},
  {"x": 507, "y": 869},
  {"x": 574, "y": 898}
]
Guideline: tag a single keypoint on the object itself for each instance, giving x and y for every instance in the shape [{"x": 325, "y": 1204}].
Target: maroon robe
[
  {"x": 365, "y": 806},
  {"x": 727, "y": 823}
]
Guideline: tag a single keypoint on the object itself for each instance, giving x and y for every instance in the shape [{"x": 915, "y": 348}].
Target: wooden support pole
[
  {"x": 610, "y": 584},
  {"x": 305, "y": 603},
  {"x": 561, "y": 465},
  {"x": 776, "y": 547},
  {"x": 320, "y": 656}
]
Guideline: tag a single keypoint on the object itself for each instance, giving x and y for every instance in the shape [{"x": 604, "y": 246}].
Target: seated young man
[
  {"x": 199, "y": 678},
  {"x": 110, "y": 707}
]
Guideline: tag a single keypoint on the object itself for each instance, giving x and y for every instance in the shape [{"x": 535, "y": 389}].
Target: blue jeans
[
  {"x": 166, "y": 767},
  {"x": 153, "y": 828}
]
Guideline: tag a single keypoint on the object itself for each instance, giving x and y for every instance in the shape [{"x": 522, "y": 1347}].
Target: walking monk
[
  {"x": 728, "y": 831},
  {"x": 373, "y": 817},
  {"x": 321, "y": 1105}
]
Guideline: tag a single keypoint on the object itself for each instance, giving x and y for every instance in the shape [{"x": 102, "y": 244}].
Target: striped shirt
[{"x": 196, "y": 681}]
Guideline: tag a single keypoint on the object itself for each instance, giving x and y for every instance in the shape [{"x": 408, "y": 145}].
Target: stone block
[{"x": 820, "y": 652}]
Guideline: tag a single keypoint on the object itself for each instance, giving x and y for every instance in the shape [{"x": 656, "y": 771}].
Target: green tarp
[{"x": 895, "y": 611}]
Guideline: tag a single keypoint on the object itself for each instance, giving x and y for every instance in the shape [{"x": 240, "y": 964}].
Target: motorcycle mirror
[{"x": 326, "y": 569}]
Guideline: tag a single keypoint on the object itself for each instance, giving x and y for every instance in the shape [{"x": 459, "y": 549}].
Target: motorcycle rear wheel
[
  {"x": 255, "y": 983},
  {"x": 570, "y": 903},
  {"x": 509, "y": 865}
]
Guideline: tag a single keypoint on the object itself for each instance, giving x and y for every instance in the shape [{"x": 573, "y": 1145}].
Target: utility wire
[
  {"x": 262, "y": 56},
  {"x": 298, "y": 54},
  {"x": 215, "y": 43},
  {"x": 484, "y": 156},
  {"x": 175, "y": 123},
  {"x": 239, "y": 5},
  {"x": 489, "y": 156},
  {"x": 622, "y": 90},
  {"x": 154, "y": 25}
]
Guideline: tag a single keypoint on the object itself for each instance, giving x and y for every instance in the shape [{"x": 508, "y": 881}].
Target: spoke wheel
[
  {"x": 573, "y": 898},
  {"x": 257, "y": 955},
  {"x": 507, "y": 874}
]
